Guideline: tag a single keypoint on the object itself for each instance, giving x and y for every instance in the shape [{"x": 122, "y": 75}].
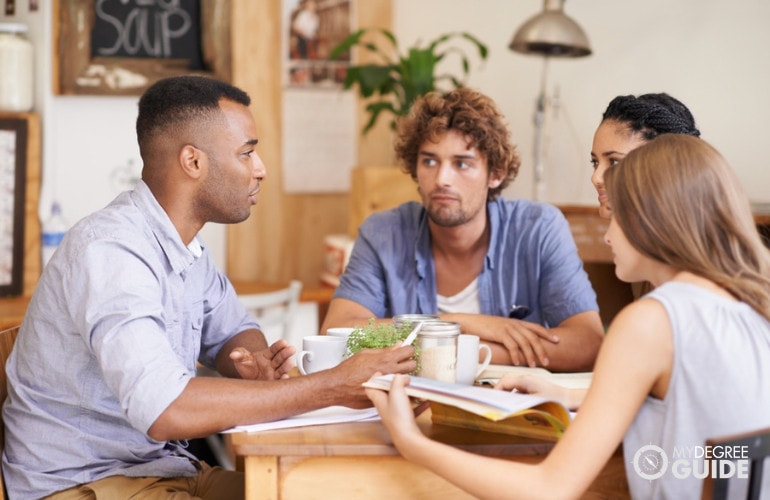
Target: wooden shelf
[{"x": 588, "y": 230}]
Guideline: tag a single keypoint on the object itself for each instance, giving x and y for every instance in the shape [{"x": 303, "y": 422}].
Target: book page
[
  {"x": 497, "y": 371},
  {"x": 571, "y": 380},
  {"x": 488, "y": 403}
]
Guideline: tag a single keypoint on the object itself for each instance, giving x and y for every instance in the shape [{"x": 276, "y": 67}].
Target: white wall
[{"x": 709, "y": 53}]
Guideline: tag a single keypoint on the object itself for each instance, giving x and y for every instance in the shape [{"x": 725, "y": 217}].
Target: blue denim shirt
[
  {"x": 117, "y": 321},
  {"x": 532, "y": 260}
]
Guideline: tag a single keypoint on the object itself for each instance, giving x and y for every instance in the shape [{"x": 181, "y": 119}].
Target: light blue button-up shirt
[
  {"x": 532, "y": 260},
  {"x": 118, "y": 319}
]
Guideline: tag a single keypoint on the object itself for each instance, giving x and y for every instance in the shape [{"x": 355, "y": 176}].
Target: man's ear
[
  {"x": 191, "y": 161},
  {"x": 495, "y": 179}
]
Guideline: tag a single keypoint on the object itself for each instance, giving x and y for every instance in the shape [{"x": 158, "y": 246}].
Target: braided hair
[{"x": 652, "y": 115}]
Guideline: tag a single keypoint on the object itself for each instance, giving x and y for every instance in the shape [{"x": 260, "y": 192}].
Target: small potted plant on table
[{"x": 378, "y": 335}]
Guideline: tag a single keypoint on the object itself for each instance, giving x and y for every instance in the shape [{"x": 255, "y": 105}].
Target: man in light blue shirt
[
  {"x": 102, "y": 387},
  {"x": 506, "y": 270}
]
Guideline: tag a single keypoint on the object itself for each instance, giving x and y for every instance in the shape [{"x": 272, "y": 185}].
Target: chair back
[
  {"x": 7, "y": 339},
  {"x": 275, "y": 311},
  {"x": 757, "y": 446}
]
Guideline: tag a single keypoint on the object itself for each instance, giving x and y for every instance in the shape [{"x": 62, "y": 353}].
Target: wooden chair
[
  {"x": 275, "y": 312},
  {"x": 7, "y": 338},
  {"x": 758, "y": 445}
]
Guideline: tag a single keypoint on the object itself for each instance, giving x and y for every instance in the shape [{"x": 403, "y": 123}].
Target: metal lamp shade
[{"x": 551, "y": 33}]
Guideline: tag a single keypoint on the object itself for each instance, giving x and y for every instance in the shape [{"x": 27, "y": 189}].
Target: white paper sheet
[{"x": 323, "y": 416}]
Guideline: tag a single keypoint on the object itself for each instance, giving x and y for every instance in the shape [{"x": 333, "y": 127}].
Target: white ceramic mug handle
[
  {"x": 487, "y": 358},
  {"x": 301, "y": 358}
]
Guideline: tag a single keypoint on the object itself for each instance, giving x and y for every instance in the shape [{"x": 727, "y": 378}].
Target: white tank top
[{"x": 720, "y": 385}]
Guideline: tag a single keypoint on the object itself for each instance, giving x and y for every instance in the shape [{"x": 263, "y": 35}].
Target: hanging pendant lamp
[
  {"x": 548, "y": 34},
  {"x": 551, "y": 33}
]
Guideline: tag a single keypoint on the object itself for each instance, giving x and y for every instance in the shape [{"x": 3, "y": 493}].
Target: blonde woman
[{"x": 700, "y": 339}]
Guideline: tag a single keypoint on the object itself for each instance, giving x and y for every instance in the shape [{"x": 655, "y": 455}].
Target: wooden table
[{"x": 358, "y": 460}]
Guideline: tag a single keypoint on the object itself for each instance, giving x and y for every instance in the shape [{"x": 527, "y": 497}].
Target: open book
[
  {"x": 576, "y": 380},
  {"x": 482, "y": 408}
]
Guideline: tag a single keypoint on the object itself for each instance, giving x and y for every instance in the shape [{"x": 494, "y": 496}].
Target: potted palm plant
[{"x": 397, "y": 80}]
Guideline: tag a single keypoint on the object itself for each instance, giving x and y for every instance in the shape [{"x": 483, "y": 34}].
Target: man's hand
[
  {"x": 268, "y": 364},
  {"x": 360, "y": 367},
  {"x": 523, "y": 341},
  {"x": 535, "y": 384}
]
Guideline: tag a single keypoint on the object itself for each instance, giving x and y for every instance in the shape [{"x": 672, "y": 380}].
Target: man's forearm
[
  {"x": 576, "y": 350},
  {"x": 252, "y": 340}
]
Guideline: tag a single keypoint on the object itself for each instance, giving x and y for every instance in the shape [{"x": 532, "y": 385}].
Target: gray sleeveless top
[{"x": 720, "y": 385}]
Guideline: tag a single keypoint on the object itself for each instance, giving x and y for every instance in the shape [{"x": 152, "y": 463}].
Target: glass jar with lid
[
  {"x": 401, "y": 320},
  {"x": 16, "y": 68},
  {"x": 437, "y": 341}
]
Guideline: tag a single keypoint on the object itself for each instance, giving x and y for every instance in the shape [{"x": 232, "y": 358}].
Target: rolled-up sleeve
[{"x": 135, "y": 332}]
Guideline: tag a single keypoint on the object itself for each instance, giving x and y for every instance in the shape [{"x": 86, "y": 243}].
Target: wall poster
[{"x": 320, "y": 132}]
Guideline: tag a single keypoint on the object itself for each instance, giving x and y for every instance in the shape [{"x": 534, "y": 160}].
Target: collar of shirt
[{"x": 179, "y": 255}]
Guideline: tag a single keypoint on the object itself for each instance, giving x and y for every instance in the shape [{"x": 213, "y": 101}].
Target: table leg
[{"x": 261, "y": 477}]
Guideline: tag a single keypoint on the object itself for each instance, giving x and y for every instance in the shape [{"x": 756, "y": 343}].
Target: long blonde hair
[{"x": 679, "y": 202}]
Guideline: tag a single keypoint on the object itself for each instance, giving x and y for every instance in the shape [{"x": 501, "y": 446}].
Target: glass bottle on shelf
[{"x": 16, "y": 68}]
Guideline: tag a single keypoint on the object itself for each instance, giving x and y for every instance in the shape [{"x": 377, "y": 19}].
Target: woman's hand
[
  {"x": 397, "y": 415},
  {"x": 534, "y": 384}
]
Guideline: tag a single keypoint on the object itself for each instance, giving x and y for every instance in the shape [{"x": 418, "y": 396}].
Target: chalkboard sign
[{"x": 158, "y": 29}]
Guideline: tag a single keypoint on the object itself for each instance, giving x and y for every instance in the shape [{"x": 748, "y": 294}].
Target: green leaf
[
  {"x": 375, "y": 109},
  {"x": 377, "y": 336},
  {"x": 346, "y": 44},
  {"x": 397, "y": 83},
  {"x": 483, "y": 51}
]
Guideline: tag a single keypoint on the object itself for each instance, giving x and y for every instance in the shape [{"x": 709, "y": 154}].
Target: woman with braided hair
[{"x": 627, "y": 123}]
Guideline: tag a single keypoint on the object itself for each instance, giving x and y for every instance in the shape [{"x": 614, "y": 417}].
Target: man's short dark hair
[{"x": 174, "y": 102}]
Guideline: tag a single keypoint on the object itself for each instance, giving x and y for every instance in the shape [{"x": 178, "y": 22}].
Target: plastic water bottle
[{"x": 53, "y": 231}]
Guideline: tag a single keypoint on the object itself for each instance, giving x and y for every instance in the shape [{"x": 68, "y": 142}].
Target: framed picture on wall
[
  {"x": 13, "y": 151},
  {"x": 121, "y": 47},
  {"x": 318, "y": 116}
]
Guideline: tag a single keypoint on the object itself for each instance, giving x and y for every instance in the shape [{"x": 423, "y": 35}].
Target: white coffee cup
[
  {"x": 468, "y": 353},
  {"x": 320, "y": 352},
  {"x": 340, "y": 331}
]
